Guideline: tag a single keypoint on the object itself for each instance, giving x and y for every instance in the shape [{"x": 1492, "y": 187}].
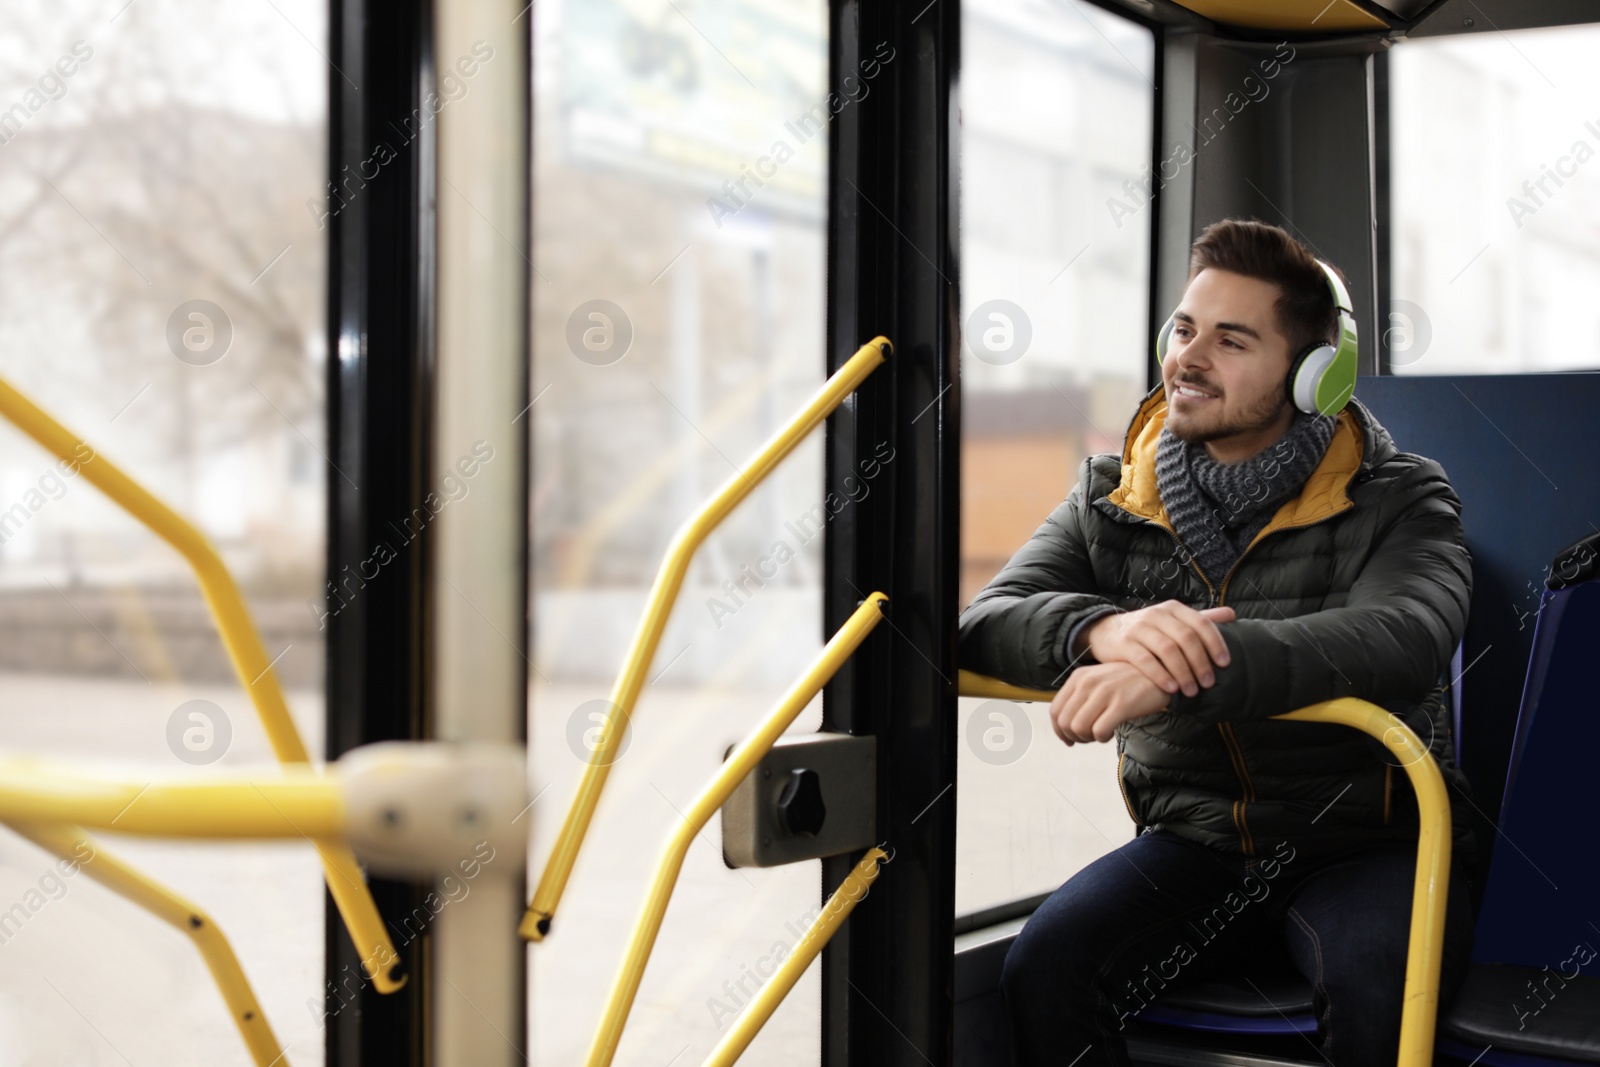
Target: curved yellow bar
[
  {"x": 346, "y": 883},
  {"x": 1424, "y": 953},
  {"x": 1428, "y": 899},
  {"x": 733, "y": 771},
  {"x": 553, "y": 881},
  {"x": 69, "y": 844},
  {"x": 839, "y": 906},
  {"x": 300, "y": 803}
]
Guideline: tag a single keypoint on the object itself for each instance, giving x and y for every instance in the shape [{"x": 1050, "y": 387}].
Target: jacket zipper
[
  {"x": 1282, "y": 529},
  {"x": 1236, "y": 750},
  {"x": 1230, "y": 740},
  {"x": 1124, "y": 791},
  {"x": 1241, "y": 822}
]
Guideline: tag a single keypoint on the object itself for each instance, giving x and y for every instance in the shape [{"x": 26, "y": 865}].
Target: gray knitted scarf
[{"x": 1218, "y": 508}]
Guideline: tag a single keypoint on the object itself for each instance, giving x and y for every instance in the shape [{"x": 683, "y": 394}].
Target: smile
[{"x": 1190, "y": 393}]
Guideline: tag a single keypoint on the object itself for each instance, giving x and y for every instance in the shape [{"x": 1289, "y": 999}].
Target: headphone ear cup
[
  {"x": 1307, "y": 377},
  {"x": 1338, "y": 382},
  {"x": 1163, "y": 337}
]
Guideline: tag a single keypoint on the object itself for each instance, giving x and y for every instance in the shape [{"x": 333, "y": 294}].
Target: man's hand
[
  {"x": 1170, "y": 643},
  {"x": 1100, "y": 697}
]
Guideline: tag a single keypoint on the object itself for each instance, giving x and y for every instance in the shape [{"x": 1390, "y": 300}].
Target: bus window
[
  {"x": 1496, "y": 195},
  {"x": 680, "y": 178},
  {"x": 162, "y": 269},
  {"x": 1057, "y": 110}
]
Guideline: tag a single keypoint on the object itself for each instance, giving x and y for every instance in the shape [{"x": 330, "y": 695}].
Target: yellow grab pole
[
  {"x": 733, "y": 771},
  {"x": 553, "y": 881},
  {"x": 1431, "y": 893},
  {"x": 346, "y": 883},
  {"x": 970, "y": 684},
  {"x": 301, "y": 803},
  {"x": 1425, "y": 951},
  {"x": 69, "y": 844},
  {"x": 821, "y": 931}
]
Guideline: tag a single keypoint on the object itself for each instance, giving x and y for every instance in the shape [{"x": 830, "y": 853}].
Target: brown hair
[{"x": 1306, "y": 314}]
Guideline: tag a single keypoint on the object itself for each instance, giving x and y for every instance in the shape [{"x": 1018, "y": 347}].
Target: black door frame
[
  {"x": 380, "y": 359},
  {"x": 893, "y": 268}
]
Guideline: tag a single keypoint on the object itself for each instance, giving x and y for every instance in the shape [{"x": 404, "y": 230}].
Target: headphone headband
[{"x": 1341, "y": 295}]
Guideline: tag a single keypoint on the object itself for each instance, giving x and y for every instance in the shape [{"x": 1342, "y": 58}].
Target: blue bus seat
[
  {"x": 1533, "y": 994},
  {"x": 1263, "y": 1004}
]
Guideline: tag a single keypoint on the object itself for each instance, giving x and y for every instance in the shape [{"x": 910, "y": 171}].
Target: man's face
[{"x": 1225, "y": 366}]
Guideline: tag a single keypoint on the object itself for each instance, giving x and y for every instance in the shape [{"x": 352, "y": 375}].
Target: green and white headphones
[{"x": 1323, "y": 377}]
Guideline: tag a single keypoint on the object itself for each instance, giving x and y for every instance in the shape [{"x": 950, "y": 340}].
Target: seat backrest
[
  {"x": 1541, "y": 902},
  {"x": 1519, "y": 451}
]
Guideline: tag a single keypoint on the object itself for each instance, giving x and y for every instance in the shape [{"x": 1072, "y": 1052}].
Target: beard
[{"x": 1259, "y": 416}]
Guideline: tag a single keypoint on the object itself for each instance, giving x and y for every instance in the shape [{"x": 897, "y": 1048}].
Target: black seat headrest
[{"x": 1578, "y": 562}]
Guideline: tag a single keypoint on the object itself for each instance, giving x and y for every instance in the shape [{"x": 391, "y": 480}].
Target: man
[{"x": 1240, "y": 559}]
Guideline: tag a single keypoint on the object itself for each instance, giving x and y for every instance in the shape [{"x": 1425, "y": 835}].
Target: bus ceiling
[{"x": 1390, "y": 18}]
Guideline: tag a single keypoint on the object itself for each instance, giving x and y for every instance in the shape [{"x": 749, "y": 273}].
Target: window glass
[
  {"x": 161, "y": 292},
  {"x": 1057, "y": 104},
  {"x": 1496, "y": 195},
  {"x": 678, "y": 314}
]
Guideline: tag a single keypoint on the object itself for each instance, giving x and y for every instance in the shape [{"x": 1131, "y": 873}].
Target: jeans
[{"x": 1162, "y": 911}]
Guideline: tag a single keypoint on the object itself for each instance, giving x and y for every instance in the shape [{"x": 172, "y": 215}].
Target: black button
[{"x": 800, "y": 808}]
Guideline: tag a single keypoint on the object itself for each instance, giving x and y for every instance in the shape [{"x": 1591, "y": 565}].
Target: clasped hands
[{"x": 1145, "y": 657}]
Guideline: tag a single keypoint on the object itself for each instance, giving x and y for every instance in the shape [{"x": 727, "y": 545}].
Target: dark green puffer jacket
[{"x": 1358, "y": 587}]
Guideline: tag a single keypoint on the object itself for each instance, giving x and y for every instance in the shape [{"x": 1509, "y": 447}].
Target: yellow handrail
[
  {"x": 970, "y": 684},
  {"x": 346, "y": 883},
  {"x": 552, "y": 882},
  {"x": 817, "y": 935},
  {"x": 175, "y": 911},
  {"x": 733, "y": 771},
  {"x": 297, "y": 803},
  {"x": 1424, "y": 951}
]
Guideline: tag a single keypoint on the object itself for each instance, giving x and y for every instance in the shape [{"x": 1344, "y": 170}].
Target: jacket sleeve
[
  {"x": 1016, "y": 629},
  {"x": 1391, "y": 638}
]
